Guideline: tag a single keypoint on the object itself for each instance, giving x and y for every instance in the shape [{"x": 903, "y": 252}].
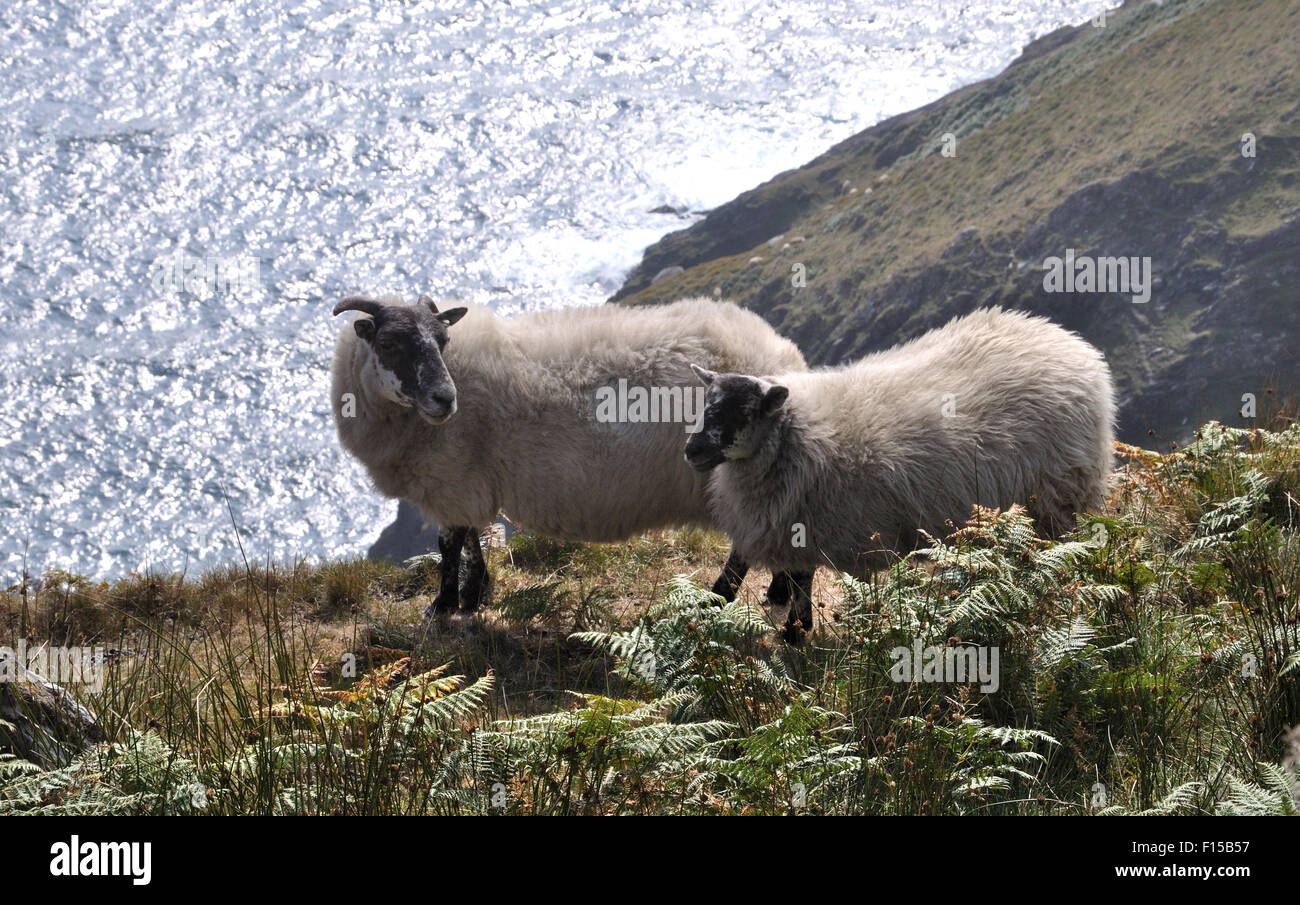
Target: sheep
[
  {"x": 844, "y": 467},
  {"x": 505, "y": 417}
]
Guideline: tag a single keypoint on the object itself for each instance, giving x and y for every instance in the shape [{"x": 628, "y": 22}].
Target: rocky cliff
[{"x": 1162, "y": 133}]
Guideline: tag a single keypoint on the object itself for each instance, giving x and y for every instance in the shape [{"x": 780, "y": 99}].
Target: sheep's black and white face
[
  {"x": 406, "y": 344},
  {"x": 738, "y": 412}
]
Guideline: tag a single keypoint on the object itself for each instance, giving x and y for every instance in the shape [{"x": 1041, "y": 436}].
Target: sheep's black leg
[
  {"x": 732, "y": 577},
  {"x": 476, "y": 574},
  {"x": 450, "y": 541},
  {"x": 778, "y": 592},
  {"x": 801, "y": 609}
]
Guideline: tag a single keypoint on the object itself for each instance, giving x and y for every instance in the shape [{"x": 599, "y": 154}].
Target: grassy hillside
[
  {"x": 1150, "y": 663},
  {"x": 1124, "y": 139}
]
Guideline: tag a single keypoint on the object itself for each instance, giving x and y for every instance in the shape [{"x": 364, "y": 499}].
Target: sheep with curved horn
[{"x": 504, "y": 416}]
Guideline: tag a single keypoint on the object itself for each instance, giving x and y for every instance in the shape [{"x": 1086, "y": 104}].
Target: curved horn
[{"x": 359, "y": 303}]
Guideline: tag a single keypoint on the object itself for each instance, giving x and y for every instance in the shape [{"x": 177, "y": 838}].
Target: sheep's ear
[
  {"x": 365, "y": 327},
  {"x": 706, "y": 377},
  {"x": 774, "y": 398},
  {"x": 429, "y": 303},
  {"x": 450, "y": 317}
]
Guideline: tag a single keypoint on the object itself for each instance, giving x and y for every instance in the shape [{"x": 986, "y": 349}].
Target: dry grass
[{"x": 320, "y": 689}]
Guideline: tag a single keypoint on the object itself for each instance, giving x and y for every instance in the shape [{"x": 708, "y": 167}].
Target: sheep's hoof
[
  {"x": 793, "y": 633},
  {"x": 439, "y": 606},
  {"x": 470, "y": 598},
  {"x": 778, "y": 597},
  {"x": 725, "y": 590}
]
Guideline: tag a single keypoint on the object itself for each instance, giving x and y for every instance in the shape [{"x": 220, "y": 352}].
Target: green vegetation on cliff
[
  {"x": 1150, "y": 663},
  {"x": 1122, "y": 139}
]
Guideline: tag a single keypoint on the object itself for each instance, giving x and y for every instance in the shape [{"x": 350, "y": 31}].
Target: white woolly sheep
[
  {"x": 519, "y": 430},
  {"x": 843, "y": 467}
]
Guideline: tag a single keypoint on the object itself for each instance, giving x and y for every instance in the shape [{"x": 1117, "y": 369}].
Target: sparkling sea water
[{"x": 187, "y": 187}]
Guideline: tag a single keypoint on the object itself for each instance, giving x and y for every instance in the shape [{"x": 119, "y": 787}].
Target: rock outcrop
[
  {"x": 408, "y": 535},
  {"x": 39, "y": 721}
]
